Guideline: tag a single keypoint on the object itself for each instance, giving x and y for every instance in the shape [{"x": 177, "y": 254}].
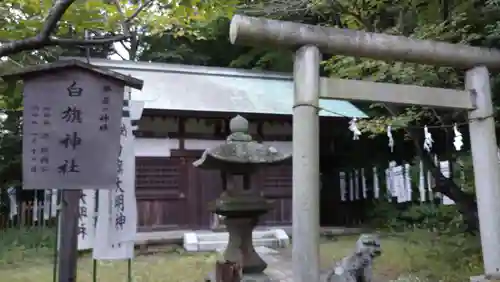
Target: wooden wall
[{"x": 173, "y": 194}]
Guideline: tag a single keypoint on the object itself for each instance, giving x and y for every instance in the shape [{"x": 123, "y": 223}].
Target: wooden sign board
[{"x": 71, "y": 126}]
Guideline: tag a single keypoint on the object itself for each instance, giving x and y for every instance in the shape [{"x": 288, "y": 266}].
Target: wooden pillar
[{"x": 68, "y": 226}]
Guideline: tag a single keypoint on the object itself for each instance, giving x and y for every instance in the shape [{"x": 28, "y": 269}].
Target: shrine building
[{"x": 188, "y": 108}]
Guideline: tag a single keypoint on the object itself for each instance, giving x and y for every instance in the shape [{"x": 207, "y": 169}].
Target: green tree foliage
[
  {"x": 34, "y": 31},
  {"x": 455, "y": 21}
]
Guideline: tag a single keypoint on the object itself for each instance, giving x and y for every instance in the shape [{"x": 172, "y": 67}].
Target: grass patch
[
  {"x": 27, "y": 256},
  {"x": 418, "y": 254},
  {"x": 19, "y": 247},
  {"x": 162, "y": 267}
]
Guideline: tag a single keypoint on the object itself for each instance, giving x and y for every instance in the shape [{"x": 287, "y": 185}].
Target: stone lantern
[{"x": 237, "y": 159}]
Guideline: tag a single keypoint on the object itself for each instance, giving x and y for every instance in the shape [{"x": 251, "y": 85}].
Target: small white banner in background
[
  {"x": 363, "y": 184},
  {"x": 13, "y": 202},
  {"x": 408, "y": 186},
  {"x": 47, "y": 204},
  {"x": 421, "y": 183},
  {"x": 86, "y": 220},
  {"x": 444, "y": 166},
  {"x": 389, "y": 181},
  {"x": 351, "y": 186},
  {"x": 376, "y": 184},
  {"x": 356, "y": 184},
  {"x": 53, "y": 203},
  {"x": 343, "y": 186},
  {"x": 398, "y": 183}
]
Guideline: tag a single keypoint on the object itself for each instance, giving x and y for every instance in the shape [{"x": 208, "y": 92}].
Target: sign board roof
[{"x": 32, "y": 71}]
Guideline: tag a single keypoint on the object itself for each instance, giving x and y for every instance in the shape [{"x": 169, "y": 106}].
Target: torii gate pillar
[
  {"x": 310, "y": 41},
  {"x": 305, "y": 199},
  {"x": 483, "y": 144}
]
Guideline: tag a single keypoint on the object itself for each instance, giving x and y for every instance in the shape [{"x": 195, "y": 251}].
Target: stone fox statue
[{"x": 357, "y": 267}]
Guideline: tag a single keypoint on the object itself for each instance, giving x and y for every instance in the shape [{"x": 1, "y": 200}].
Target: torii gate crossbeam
[{"x": 309, "y": 41}]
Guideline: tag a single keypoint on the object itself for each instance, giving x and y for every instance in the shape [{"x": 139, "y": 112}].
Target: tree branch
[
  {"x": 119, "y": 55},
  {"x": 145, "y": 5},
  {"x": 54, "y": 16},
  {"x": 45, "y": 39},
  {"x": 125, "y": 46},
  {"x": 274, "y": 7}
]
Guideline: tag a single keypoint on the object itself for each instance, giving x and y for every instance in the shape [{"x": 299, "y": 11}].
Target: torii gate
[{"x": 310, "y": 41}]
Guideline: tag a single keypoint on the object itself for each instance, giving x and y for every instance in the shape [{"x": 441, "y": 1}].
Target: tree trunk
[{"x": 465, "y": 202}]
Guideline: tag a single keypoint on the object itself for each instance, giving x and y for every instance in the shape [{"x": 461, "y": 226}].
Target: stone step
[
  {"x": 213, "y": 241},
  {"x": 224, "y": 236}
]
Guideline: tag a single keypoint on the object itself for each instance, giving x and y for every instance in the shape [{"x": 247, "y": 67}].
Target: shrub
[{"x": 427, "y": 216}]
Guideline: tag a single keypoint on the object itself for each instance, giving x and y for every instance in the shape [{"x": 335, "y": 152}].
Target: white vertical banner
[
  {"x": 351, "y": 186},
  {"x": 436, "y": 162},
  {"x": 363, "y": 184},
  {"x": 444, "y": 166},
  {"x": 356, "y": 185},
  {"x": 105, "y": 247},
  {"x": 376, "y": 183},
  {"x": 343, "y": 188},
  {"x": 47, "y": 198},
  {"x": 390, "y": 183},
  {"x": 117, "y": 216},
  {"x": 12, "y": 202},
  {"x": 399, "y": 183},
  {"x": 34, "y": 207},
  {"x": 53, "y": 203},
  {"x": 421, "y": 183},
  {"x": 86, "y": 223},
  {"x": 408, "y": 187},
  {"x": 430, "y": 184}
]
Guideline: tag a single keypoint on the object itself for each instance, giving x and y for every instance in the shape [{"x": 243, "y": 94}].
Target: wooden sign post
[{"x": 71, "y": 138}]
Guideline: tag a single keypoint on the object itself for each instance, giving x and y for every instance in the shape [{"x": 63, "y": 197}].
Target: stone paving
[
  {"x": 279, "y": 262},
  {"x": 279, "y": 265}
]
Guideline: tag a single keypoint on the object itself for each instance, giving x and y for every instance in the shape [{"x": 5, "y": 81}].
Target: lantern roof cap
[{"x": 240, "y": 152}]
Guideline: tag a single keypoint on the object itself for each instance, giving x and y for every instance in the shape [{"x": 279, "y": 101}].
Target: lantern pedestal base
[{"x": 240, "y": 247}]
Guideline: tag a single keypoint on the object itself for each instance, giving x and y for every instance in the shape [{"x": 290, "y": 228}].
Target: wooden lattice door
[
  {"x": 162, "y": 196},
  {"x": 276, "y": 184}
]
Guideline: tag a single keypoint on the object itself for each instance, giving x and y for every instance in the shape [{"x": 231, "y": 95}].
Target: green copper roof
[{"x": 198, "y": 88}]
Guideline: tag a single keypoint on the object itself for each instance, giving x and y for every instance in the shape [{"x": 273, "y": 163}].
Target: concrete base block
[
  {"x": 213, "y": 241},
  {"x": 479, "y": 278},
  {"x": 282, "y": 237},
  {"x": 190, "y": 242}
]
